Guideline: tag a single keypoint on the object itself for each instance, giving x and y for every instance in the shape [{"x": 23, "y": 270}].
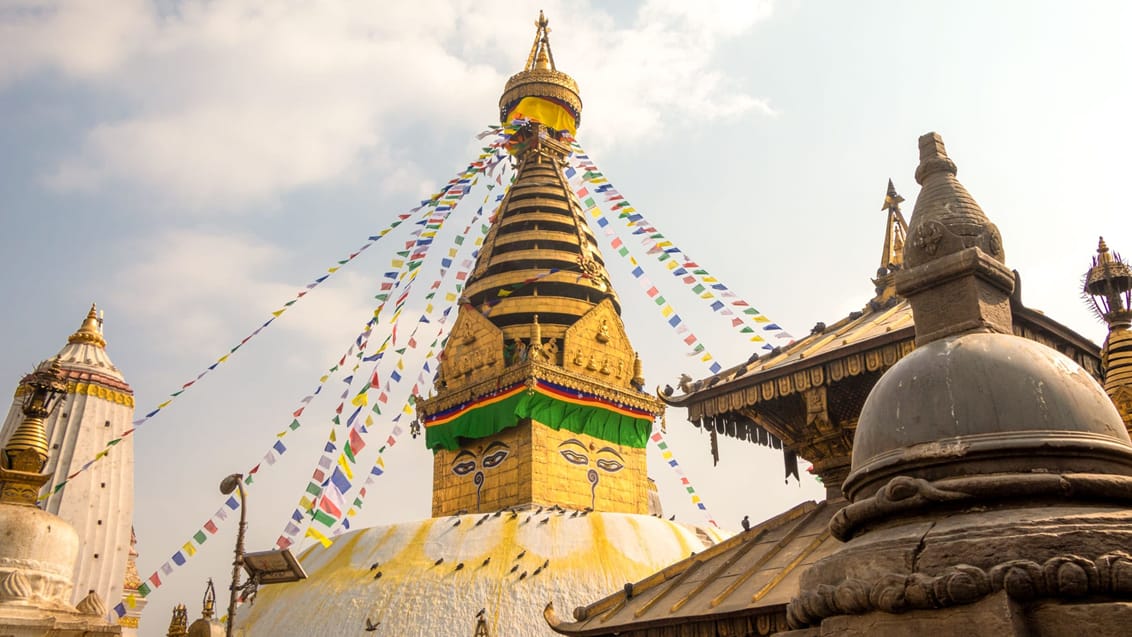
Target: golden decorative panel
[
  {"x": 474, "y": 351},
  {"x": 597, "y": 346},
  {"x": 535, "y": 464}
]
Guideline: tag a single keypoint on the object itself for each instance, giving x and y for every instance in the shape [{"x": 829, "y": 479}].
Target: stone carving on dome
[
  {"x": 15, "y": 585},
  {"x": 1061, "y": 576},
  {"x": 92, "y": 604}
]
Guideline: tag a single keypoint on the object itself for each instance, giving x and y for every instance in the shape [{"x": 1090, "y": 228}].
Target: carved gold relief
[{"x": 597, "y": 343}]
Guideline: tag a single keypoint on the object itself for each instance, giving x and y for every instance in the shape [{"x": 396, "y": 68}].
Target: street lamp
[
  {"x": 235, "y": 482},
  {"x": 264, "y": 567}
]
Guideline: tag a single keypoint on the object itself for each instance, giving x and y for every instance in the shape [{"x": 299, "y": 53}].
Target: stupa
[
  {"x": 97, "y": 408},
  {"x": 538, "y": 427},
  {"x": 39, "y": 549}
]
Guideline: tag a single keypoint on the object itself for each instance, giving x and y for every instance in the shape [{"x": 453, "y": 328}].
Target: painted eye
[
  {"x": 609, "y": 464},
  {"x": 493, "y": 459},
  {"x": 574, "y": 457},
  {"x": 464, "y": 468}
]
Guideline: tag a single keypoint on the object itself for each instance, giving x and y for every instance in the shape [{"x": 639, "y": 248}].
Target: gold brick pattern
[{"x": 538, "y": 470}]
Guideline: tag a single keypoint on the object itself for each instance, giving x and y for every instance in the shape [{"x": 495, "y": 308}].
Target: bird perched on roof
[
  {"x": 746, "y": 522},
  {"x": 544, "y": 520},
  {"x": 482, "y": 520},
  {"x": 374, "y": 566},
  {"x": 438, "y": 562},
  {"x": 545, "y": 564},
  {"x": 458, "y": 521},
  {"x": 370, "y": 626},
  {"x": 486, "y": 562},
  {"x": 513, "y": 569},
  {"x": 460, "y": 566},
  {"x": 520, "y": 555},
  {"x": 672, "y": 518},
  {"x": 523, "y": 575},
  {"x": 377, "y": 576}
]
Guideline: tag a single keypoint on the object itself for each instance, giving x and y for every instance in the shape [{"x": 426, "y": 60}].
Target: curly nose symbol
[
  {"x": 592, "y": 476},
  {"x": 478, "y": 481}
]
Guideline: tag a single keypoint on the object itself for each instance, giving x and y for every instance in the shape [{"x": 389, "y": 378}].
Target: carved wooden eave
[
  {"x": 738, "y": 587},
  {"x": 840, "y": 352}
]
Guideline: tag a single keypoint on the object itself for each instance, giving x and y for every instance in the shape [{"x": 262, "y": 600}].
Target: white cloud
[
  {"x": 195, "y": 287},
  {"x": 230, "y": 105}
]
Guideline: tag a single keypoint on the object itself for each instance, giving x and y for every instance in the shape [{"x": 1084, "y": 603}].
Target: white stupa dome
[{"x": 433, "y": 576}]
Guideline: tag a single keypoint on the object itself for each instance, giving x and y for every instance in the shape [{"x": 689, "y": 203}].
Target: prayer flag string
[
  {"x": 748, "y": 320},
  {"x": 670, "y": 460},
  {"x": 445, "y": 200}
]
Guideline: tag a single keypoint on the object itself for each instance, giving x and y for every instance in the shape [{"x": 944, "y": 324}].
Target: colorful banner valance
[{"x": 548, "y": 403}]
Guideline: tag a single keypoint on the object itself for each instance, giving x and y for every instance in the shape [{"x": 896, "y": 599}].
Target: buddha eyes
[
  {"x": 574, "y": 457},
  {"x": 493, "y": 459},
  {"x": 609, "y": 465},
  {"x": 464, "y": 468}
]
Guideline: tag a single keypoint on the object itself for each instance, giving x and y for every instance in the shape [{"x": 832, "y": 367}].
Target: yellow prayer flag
[
  {"x": 189, "y": 549},
  {"x": 369, "y": 419},
  {"x": 332, "y": 270},
  {"x": 222, "y": 358},
  {"x": 666, "y": 311},
  {"x": 381, "y": 462},
  {"x": 762, "y": 319},
  {"x": 164, "y": 404},
  {"x": 322, "y": 539},
  {"x": 277, "y": 314},
  {"x": 333, "y": 436},
  {"x": 360, "y": 400},
  {"x": 345, "y": 467}
]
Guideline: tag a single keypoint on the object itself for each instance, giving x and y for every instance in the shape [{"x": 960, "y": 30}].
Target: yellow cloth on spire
[{"x": 545, "y": 112}]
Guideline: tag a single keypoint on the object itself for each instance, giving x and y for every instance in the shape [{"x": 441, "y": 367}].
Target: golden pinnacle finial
[
  {"x": 556, "y": 102},
  {"x": 91, "y": 329},
  {"x": 1102, "y": 251},
  {"x": 1108, "y": 284}
]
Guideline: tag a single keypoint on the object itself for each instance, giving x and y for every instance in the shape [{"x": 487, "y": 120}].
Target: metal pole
[{"x": 238, "y": 562}]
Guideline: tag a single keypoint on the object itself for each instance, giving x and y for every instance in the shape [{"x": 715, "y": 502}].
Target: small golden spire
[
  {"x": 892, "y": 255},
  {"x": 179, "y": 624},
  {"x": 541, "y": 57},
  {"x": 91, "y": 329},
  {"x": 26, "y": 453}
]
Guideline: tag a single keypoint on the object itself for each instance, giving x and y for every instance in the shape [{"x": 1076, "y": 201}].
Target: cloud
[
  {"x": 231, "y": 105},
  {"x": 196, "y": 285}
]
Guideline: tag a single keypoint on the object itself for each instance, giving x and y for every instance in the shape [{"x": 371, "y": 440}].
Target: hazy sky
[{"x": 191, "y": 165}]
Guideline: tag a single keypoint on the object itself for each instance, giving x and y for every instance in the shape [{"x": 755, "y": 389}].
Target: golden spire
[
  {"x": 540, "y": 91},
  {"x": 90, "y": 331},
  {"x": 892, "y": 255},
  {"x": 179, "y": 624},
  {"x": 26, "y": 453},
  {"x": 541, "y": 57},
  {"x": 1108, "y": 284}
]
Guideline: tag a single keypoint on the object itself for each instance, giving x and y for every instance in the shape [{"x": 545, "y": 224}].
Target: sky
[{"x": 191, "y": 165}]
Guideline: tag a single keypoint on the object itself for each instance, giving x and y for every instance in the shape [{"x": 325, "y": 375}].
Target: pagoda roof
[
  {"x": 878, "y": 335},
  {"x": 744, "y": 582}
]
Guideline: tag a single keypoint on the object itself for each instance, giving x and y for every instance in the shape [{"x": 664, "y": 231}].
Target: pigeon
[
  {"x": 513, "y": 569},
  {"x": 438, "y": 562},
  {"x": 537, "y": 571},
  {"x": 575, "y": 514},
  {"x": 498, "y": 513},
  {"x": 526, "y": 520},
  {"x": 482, "y": 520},
  {"x": 523, "y": 575},
  {"x": 460, "y": 566},
  {"x": 370, "y": 626},
  {"x": 373, "y": 567},
  {"x": 377, "y": 576},
  {"x": 520, "y": 555},
  {"x": 486, "y": 562},
  {"x": 544, "y": 520},
  {"x": 746, "y": 522},
  {"x": 514, "y": 514},
  {"x": 672, "y": 518},
  {"x": 539, "y": 511},
  {"x": 545, "y": 564},
  {"x": 458, "y": 521}
]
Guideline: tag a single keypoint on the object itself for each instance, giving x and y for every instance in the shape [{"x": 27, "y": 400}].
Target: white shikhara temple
[{"x": 97, "y": 408}]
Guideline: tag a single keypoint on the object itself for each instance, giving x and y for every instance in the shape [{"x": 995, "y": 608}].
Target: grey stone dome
[{"x": 980, "y": 403}]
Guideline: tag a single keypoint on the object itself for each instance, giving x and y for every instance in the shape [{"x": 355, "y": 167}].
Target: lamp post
[{"x": 235, "y": 482}]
